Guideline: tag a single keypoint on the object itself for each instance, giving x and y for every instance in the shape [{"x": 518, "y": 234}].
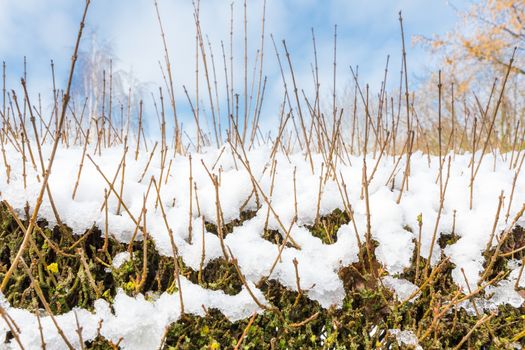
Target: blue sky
[{"x": 368, "y": 31}]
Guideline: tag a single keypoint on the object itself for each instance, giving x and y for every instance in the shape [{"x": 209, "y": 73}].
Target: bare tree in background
[{"x": 106, "y": 90}]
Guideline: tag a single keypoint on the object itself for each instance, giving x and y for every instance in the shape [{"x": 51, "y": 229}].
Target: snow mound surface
[{"x": 394, "y": 225}]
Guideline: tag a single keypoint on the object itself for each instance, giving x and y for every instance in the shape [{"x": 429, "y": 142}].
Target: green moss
[
  {"x": 446, "y": 239},
  {"x": 325, "y": 229},
  {"x": 218, "y": 274},
  {"x": 100, "y": 343},
  {"x": 327, "y": 226},
  {"x": 228, "y": 227},
  {"x": 275, "y": 237}
]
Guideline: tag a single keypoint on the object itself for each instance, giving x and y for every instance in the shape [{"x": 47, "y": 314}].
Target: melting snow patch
[
  {"x": 503, "y": 293},
  {"x": 407, "y": 338},
  {"x": 120, "y": 259},
  {"x": 403, "y": 288}
]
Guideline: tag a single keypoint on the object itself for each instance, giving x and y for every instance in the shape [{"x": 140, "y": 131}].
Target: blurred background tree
[
  {"x": 482, "y": 43},
  {"x": 473, "y": 59},
  {"x": 109, "y": 93}
]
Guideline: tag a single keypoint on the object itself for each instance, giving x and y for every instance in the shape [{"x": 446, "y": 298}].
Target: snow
[
  {"x": 406, "y": 338},
  {"x": 120, "y": 259},
  {"x": 504, "y": 293},
  {"x": 404, "y": 289},
  {"x": 393, "y": 225}
]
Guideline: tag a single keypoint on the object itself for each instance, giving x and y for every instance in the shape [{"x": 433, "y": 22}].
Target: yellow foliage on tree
[{"x": 481, "y": 44}]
